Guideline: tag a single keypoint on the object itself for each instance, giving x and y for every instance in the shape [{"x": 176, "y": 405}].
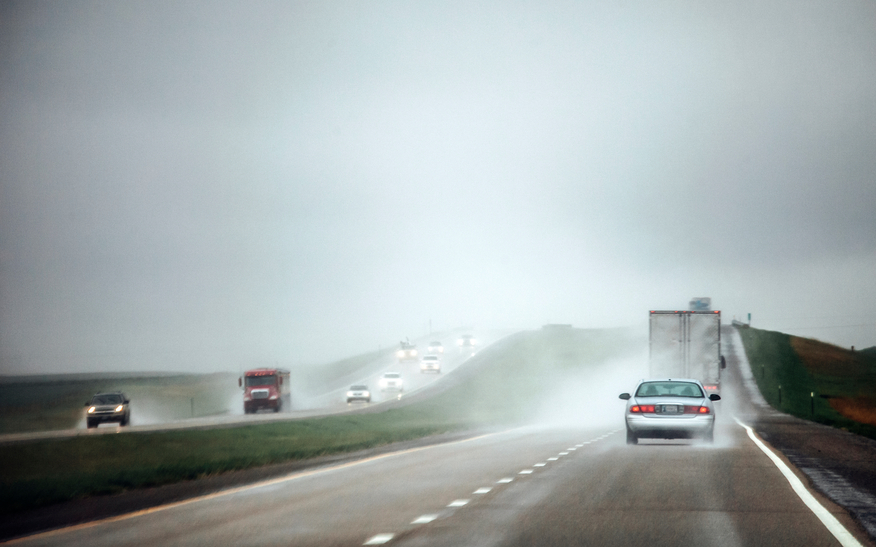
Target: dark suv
[{"x": 108, "y": 407}]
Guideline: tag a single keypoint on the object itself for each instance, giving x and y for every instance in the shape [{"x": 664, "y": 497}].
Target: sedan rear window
[{"x": 669, "y": 389}]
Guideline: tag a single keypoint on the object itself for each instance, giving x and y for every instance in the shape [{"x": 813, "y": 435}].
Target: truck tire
[
  {"x": 89, "y": 424},
  {"x": 631, "y": 437}
]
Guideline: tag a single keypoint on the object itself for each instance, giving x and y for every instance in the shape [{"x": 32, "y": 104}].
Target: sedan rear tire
[
  {"x": 709, "y": 437},
  {"x": 631, "y": 437}
]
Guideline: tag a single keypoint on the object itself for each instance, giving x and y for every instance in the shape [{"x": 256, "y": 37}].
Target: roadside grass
[
  {"x": 41, "y": 473},
  {"x": 814, "y": 380},
  {"x": 505, "y": 383}
]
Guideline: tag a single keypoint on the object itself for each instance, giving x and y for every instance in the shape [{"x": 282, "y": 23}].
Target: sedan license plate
[{"x": 670, "y": 409}]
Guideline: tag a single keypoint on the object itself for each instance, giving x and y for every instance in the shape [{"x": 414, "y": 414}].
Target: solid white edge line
[{"x": 830, "y": 522}]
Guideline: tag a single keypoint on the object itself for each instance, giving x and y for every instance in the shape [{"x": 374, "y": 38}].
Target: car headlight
[
  {"x": 91, "y": 410},
  {"x": 272, "y": 398},
  {"x": 119, "y": 408}
]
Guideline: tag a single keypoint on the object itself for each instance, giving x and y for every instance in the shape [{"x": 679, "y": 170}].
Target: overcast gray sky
[{"x": 210, "y": 185}]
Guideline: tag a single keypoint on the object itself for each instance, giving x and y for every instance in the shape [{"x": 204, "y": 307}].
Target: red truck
[{"x": 265, "y": 388}]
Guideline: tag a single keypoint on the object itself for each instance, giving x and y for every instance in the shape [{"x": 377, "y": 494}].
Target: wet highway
[{"x": 536, "y": 485}]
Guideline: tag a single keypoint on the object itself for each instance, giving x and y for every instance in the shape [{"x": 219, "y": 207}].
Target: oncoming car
[
  {"x": 358, "y": 393},
  {"x": 108, "y": 407},
  {"x": 430, "y": 363},
  {"x": 391, "y": 381},
  {"x": 669, "y": 409},
  {"x": 466, "y": 341},
  {"x": 436, "y": 347},
  {"x": 406, "y": 352}
]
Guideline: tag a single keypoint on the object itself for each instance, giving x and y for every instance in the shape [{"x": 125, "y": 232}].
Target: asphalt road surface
[{"x": 536, "y": 485}]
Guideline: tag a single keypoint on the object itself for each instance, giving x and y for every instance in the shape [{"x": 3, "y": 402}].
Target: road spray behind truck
[{"x": 686, "y": 344}]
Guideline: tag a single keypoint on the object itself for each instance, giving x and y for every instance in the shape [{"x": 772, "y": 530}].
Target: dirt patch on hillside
[
  {"x": 859, "y": 409},
  {"x": 821, "y": 358}
]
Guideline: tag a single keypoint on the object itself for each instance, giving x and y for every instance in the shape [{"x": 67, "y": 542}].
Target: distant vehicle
[
  {"x": 265, "y": 388},
  {"x": 391, "y": 381},
  {"x": 466, "y": 341},
  {"x": 700, "y": 303},
  {"x": 430, "y": 363},
  {"x": 436, "y": 347},
  {"x": 407, "y": 352},
  {"x": 108, "y": 407},
  {"x": 686, "y": 344},
  {"x": 358, "y": 393},
  {"x": 669, "y": 409}
]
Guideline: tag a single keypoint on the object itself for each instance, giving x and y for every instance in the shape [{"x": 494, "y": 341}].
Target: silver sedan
[{"x": 669, "y": 409}]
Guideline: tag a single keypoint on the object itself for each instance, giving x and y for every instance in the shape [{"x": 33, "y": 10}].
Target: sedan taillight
[
  {"x": 696, "y": 409},
  {"x": 641, "y": 409}
]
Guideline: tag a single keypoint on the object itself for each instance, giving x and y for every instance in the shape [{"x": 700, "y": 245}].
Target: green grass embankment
[
  {"x": 511, "y": 381},
  {"x": 814, "y": 380}
]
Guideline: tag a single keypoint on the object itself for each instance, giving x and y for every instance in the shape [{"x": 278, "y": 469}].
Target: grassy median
[{"x": 507, "y": 384}]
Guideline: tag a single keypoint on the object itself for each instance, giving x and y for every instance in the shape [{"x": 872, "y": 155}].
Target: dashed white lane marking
[
  {"x": 564, "y": 453},
  {"x": 525, "y": 472},
  {"x": 380, "y": 539},
  {"x": 553, "y": 459},
  {"x": 579, "y": 445},
  {"x": 483, "y": 489},
  {"x": 834, "y": 526},
  {"x": 423, "y": 519},
  {"x": 506, "y": 480},
  {"x": 539, "y": 465},
  {"x": 458, "y": 503},
  {"x": 571, "y": 449}
]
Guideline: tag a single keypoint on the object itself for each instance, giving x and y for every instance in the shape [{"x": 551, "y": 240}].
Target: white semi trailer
[{"x": 686, "y": 344}]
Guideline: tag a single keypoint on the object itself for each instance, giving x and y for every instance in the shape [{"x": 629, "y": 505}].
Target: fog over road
[
  {"x": 536, "y": 485},
  {"x": 328, "y": 398}
]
